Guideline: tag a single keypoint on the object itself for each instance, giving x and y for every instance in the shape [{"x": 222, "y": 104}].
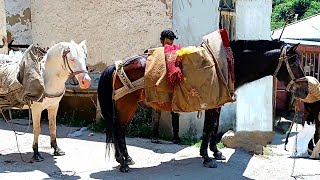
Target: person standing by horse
[{"x": 166, "y": 38}]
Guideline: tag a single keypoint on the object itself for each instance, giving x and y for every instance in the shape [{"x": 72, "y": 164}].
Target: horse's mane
[{"x": 255, "y": 45}]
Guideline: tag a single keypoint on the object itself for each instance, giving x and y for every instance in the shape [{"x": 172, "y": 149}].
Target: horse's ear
[
  {"x": 84, "y": 46},
  {"x": 73, "y": 51},
  {"x": 294, "y": 47},
  {"x": 72, "y": 41}
]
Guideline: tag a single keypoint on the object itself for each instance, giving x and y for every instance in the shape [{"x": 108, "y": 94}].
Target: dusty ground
[{"x": 85, "y": 159}]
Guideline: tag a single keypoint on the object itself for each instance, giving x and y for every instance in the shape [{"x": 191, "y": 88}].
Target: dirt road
[{"x": 85, "y": 159}]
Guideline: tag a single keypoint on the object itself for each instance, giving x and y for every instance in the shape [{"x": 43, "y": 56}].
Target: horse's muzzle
[{"x": 84, "y": 80}]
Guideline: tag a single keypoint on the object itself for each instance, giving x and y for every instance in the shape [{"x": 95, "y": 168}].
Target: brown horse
[{"x": 253, "y": 60}]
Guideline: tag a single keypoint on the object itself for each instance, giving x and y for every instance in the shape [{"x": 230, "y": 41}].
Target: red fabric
[
  {"x": 224, "y": 37},
  {"x": 226, "y": 44},
  {"x": 174, "y": 65}
]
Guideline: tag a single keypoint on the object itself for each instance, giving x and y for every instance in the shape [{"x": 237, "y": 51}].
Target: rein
[{"x": 284, "y": 59}]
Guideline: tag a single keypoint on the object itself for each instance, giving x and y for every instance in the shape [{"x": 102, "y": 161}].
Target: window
[
  {"x": 227, "y": 17},
  {"x": 310, "y": 63}
]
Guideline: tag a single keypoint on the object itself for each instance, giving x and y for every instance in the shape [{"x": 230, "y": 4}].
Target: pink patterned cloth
[{"x": 174, "y": 65}]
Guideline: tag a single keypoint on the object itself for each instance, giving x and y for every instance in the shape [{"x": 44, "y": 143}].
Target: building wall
[
  {"x": 253, "y": 19},
  {"x": 113, "y": 29},
  {"x": 18, "y": 21},
  {"x": 193, "y": 19},
  {"x": 3, "y": 32}
]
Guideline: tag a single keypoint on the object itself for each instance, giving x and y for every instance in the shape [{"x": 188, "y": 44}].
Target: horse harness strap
[
  {"x": 71, "y": 73},
  {"x": 67, "y": 65},
  {"x": 46, "y": 95},
  {"x": 128, "y": 86},
  {"x": 284, "y": 58}
]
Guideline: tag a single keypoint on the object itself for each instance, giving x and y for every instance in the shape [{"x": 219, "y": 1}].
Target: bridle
[
  {"x": 72, "y": 73},
  {"x": 284, "y": 58},
  {"x": 67, "y": 65}
]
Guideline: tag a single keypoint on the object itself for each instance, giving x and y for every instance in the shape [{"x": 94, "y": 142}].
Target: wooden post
[{"x": 3, "y": 29}]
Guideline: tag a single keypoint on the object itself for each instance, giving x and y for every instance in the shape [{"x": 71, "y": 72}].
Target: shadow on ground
[
  {"x": 13, "y": 163},
  {"x": 190, "y": 168}
]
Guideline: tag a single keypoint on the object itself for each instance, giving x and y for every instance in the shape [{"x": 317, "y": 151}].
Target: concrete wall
[
  {"x": 193, "y": 19},
  {"x": 18, "y": 20},
  {"x": 255, "y": 106},
  {"x": 253, "y": 19},
  {"x": 113, "y": 29}
]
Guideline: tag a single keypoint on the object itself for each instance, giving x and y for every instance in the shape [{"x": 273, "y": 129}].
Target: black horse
[{"x": 253, "y": 60}]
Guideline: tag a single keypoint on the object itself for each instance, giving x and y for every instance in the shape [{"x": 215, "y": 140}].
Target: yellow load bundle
[{"x": 188, "y": 50}]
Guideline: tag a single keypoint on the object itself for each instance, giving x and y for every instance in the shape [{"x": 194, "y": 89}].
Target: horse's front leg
[
  {"x": 36, "y": 115},
  {"x": 207, "y": 130},
  {"x": 213, "y": 140},
  {"x": 52, "y": 116}
]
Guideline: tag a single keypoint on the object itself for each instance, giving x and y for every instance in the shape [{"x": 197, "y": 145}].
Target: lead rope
[
  {"x": 13, "y": 129},
  {"x": 296, "y": 109}
]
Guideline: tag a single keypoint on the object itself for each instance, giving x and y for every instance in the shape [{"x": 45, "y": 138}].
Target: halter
[
  {"x": 284, "y": 58},
  {"x": 71, "y": 72},
  {"x": 67, "y": 65}
]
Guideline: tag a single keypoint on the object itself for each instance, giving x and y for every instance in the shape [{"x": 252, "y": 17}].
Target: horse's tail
[{"x": 105, "y": 90}]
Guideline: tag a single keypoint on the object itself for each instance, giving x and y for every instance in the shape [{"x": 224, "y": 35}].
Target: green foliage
[
  {"x": 285, "y": 10},
  {"x": 314, "y": 8},
  {"x": 98, "y": 126},
  {"x": 141, "y": 124},
  {"x": 72, "y": 119}
]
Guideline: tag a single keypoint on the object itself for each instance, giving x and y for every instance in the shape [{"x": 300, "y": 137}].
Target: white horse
[{"x": 61, "y": 61}]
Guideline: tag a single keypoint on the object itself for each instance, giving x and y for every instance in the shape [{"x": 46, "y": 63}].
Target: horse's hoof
[
  {"x": 176, "y": 141},
  {"x": 209, "y": 164},
  {"x": 130, "y": 161},
  {"x": 37, "y": 158},
  {"x": 219, "y": 156},
  {"x": 59, "y": 152},
  {"x": 125, "y": 169}
]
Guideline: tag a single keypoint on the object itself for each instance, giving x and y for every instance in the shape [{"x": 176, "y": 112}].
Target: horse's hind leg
[
  {"x": 36, "y": 115},
  {"x": 120, "y": 147},
  {"x": 52, "y": 116},
  {"x": 213, "y": 140}
]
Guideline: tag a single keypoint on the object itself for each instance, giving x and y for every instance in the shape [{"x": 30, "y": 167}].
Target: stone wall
[{"x": 113, "y": 29}]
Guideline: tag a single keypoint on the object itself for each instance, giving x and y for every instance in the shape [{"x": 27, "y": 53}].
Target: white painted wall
[
  {"x": 255, "y": 106},
  {"x": 253, "y": 19},
  {"x": 193, "y": 19}
]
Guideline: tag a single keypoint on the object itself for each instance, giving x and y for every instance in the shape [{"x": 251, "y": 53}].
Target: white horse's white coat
[{"x": 55, "y": 75}]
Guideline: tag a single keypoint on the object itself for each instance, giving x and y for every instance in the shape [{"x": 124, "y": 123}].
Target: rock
[
  {"x": 252, "y": 141},
  {"x": 228, "y": 139}
]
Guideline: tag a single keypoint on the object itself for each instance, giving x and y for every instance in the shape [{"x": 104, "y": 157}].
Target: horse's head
[
  {"x": 290, "y": 72},
  {"x": 74, "y": 57}
]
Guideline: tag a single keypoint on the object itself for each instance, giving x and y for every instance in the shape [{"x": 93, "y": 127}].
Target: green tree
[{"x": 285, "y": 10}]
